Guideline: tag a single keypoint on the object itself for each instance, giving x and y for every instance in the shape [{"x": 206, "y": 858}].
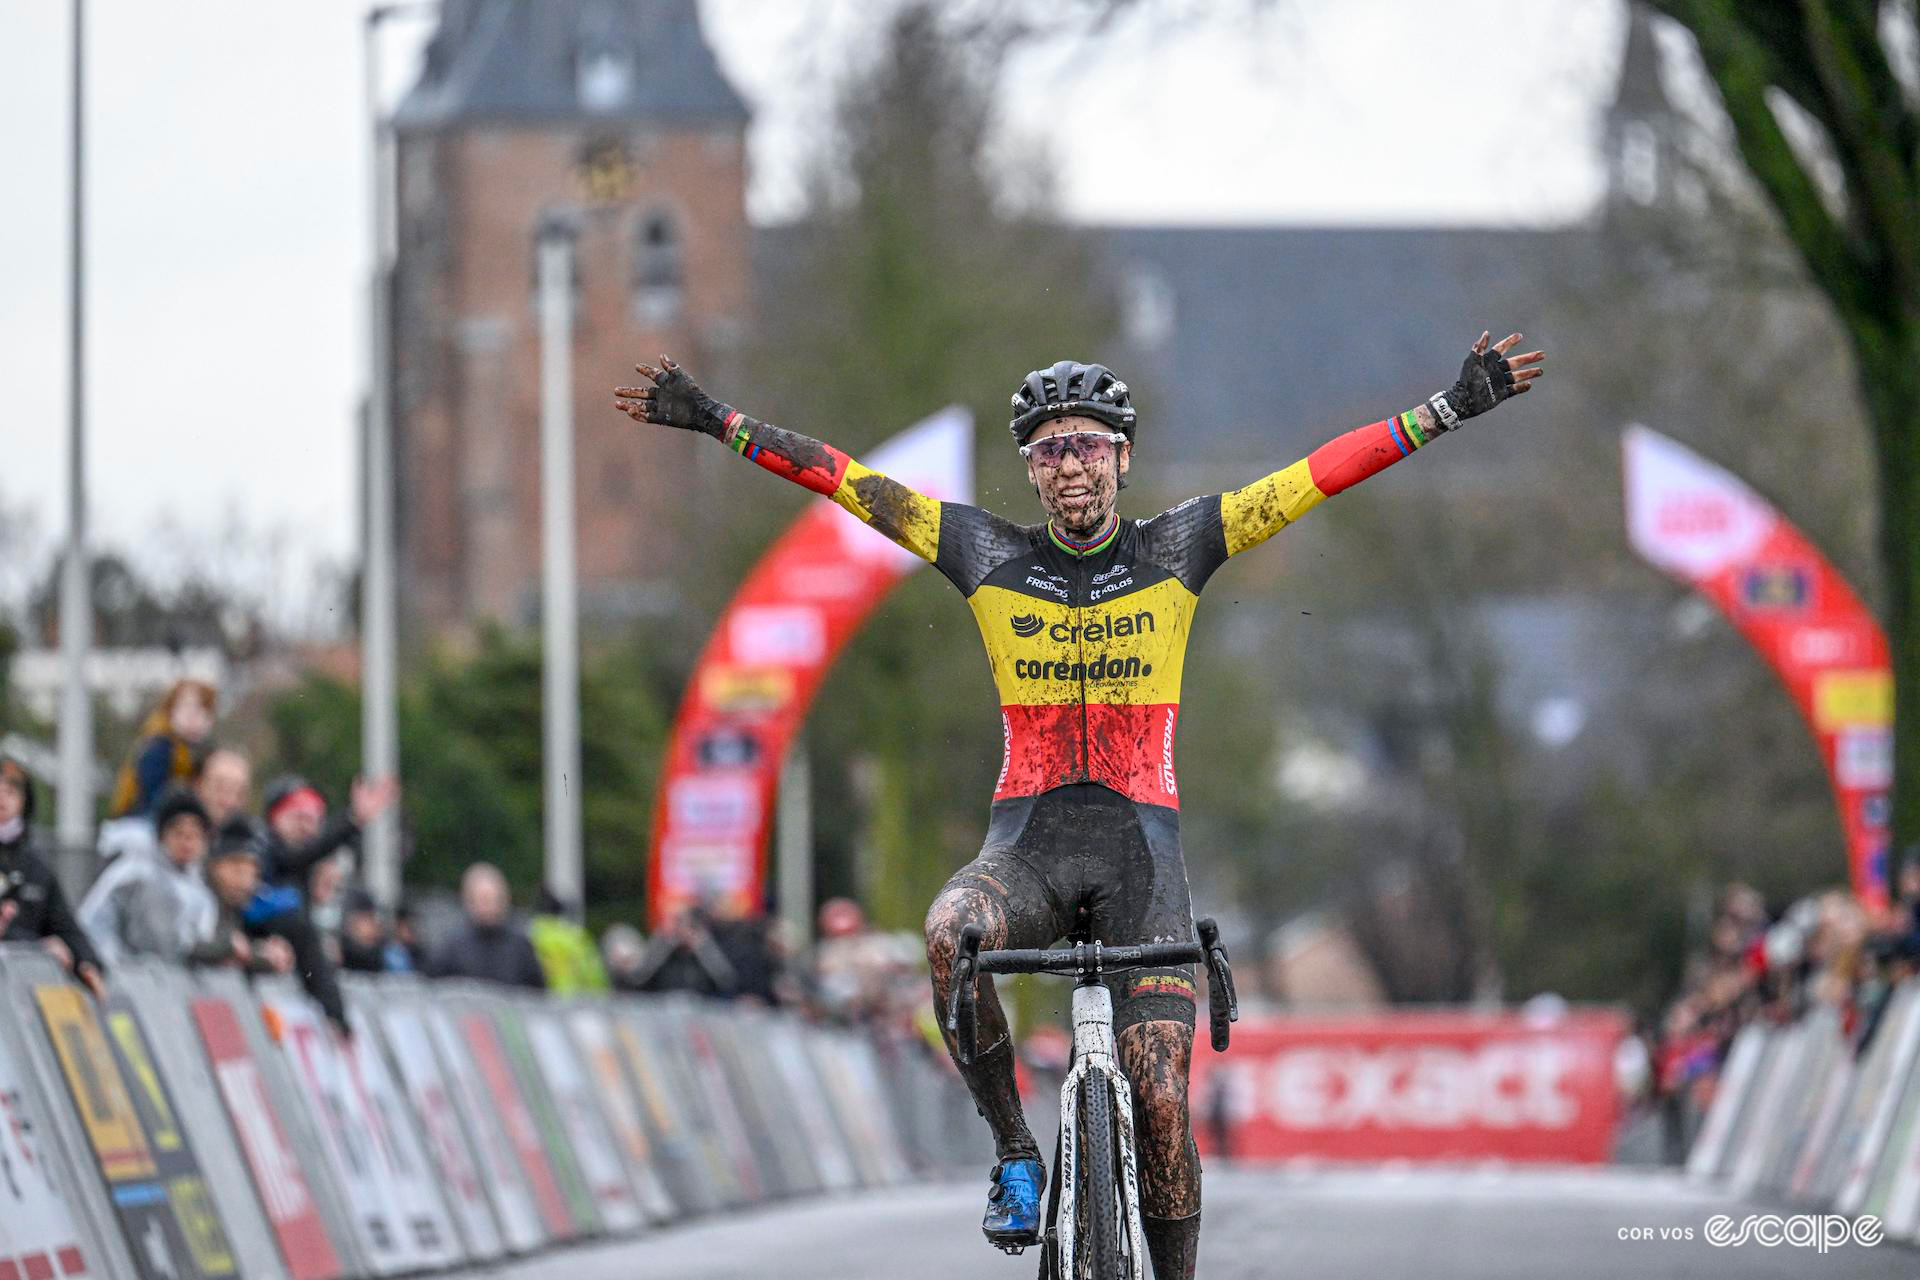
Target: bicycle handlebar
[
  {"x": 1085, "y": 956},
  {"x": 1085, "y": 960}
]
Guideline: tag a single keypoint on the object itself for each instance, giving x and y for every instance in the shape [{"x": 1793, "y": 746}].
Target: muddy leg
[
  {"x": 1155, "y": 1056},
  {"x": 990, "y": 1078}
]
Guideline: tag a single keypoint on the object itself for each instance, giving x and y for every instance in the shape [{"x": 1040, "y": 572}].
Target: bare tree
[{"x": 1824, "y": 100}]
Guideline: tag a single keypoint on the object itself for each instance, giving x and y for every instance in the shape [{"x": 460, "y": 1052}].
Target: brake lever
[
  {"x": 1223, "y": 1003},
  {"x": 962, "y": 1001}
]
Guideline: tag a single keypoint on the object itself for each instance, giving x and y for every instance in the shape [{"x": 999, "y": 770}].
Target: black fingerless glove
[
  {"x": 1485, "y": 380},
  {"x": 679, "y": 402}
]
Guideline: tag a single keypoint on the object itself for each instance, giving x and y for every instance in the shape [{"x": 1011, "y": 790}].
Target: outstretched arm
[
  {"x": 1251, "y": 515},
  {"x": 670, "y": 398}
]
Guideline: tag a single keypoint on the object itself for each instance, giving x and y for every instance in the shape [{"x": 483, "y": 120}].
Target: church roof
[
  {"x": 546, "y": 61},
  {"x": 1316, "y": 326}
]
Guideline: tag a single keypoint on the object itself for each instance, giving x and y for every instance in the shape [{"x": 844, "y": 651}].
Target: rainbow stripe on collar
[{"x": 1083, "y": 549}]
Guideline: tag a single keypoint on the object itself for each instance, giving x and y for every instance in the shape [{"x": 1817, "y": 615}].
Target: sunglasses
[{"x": 1088, "y": 446}]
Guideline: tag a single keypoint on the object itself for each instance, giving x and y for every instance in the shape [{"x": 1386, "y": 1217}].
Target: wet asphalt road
[{"x": 1327, "y": 1225}]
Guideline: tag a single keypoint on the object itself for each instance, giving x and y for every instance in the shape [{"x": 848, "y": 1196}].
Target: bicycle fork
[{"x": 1097, "y": 1055}]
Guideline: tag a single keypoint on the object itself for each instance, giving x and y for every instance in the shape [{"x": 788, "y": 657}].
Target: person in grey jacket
[{"x": 151, "y": 900}]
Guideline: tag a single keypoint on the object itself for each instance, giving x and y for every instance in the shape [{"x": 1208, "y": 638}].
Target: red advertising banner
[
  {"x": 518, "y": 1122},
  {"x": 283, "y": 1189},
  {"x": 1442, "y": 1086},
  {"x": 1704, "y": 526},
  {"x": 761, "y": 667}
]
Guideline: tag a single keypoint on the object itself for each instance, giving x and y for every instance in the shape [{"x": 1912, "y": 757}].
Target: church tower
[
  {"x": 1639, "y": 133},
  {"x": 614, "y": 115}
]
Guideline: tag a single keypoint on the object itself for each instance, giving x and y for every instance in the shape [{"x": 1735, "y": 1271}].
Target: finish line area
[{"x": 1474, "y": 1224}]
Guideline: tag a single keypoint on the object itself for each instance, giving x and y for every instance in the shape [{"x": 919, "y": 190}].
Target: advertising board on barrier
[
  {"x": 720, "y": 1118},
  {"x": 1890, "y": 1063},
  {"x": 594, "y": 1034},
  {"x": 586, "y": 1132},
  {"x": 179, "y": 1170},
  {"x": 412, "y": 1052},
  {"x": 346, "y": 1135},
  {"x": 484, "y": 1045},
  {"x": 415, "y": 1183},
  {"x": 757, "y": 1097},
  {"x": 507, "y": 1183},
  {"x": 825, "y": 1143},
  {"x": 152, "y": 1178},
  {"x": 37, "y": 1235},
  {"x": 1428, "y": 1086},
  {"x": 282, "y": 1187},
  {"x": 854, "y": 1088},
  {"x": 546, "y": 1119},
  {"x": 687, "y": 1156}
]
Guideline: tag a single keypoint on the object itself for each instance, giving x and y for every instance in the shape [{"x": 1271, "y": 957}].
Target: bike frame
[{"x": 1097, "y": 1054}]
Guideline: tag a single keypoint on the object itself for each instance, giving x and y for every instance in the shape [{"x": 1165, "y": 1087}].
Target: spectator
[
  {"x": 224, "y": 785},
  {"x": 406, "y": 939},
  {"x": 685, "y": 956},
  {"x": 756, "y": 956},
  {"x": 242, "y": 839},
  {"x": 299, "y": 836},
  {"x": 232, "y": 875},
  {"x": 326, "y": 900},
  {"x": 152, "y": 901},
  {"x": 852, "y": 965},
  {"x": 622, "y": 949},
  {"x": 364, "y": 944},
  {"x": 31, "y": 901},
  {"x": 567, "y": 954},
  {"x": 172, "y": 743},
  {"x": 487, "y": 945}
]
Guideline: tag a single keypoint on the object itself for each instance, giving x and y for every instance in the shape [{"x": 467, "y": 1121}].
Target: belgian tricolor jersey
[{"x": 1086, "y": 640}]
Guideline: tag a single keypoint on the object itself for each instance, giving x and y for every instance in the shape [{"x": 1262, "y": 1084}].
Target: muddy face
[{"x": 1077, "y": 496}]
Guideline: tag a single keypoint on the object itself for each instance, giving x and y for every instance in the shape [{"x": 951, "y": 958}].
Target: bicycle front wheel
[{"x": 1100, "y": 1256}]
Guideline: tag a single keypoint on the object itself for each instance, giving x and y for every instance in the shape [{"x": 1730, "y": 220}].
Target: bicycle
[{"x": 1096, "y": 1099}]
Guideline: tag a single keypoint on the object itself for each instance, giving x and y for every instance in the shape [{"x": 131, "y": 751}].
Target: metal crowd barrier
[
  {"x": 197, "y": 1126},
  {"x": 1797, "y": 1118}
]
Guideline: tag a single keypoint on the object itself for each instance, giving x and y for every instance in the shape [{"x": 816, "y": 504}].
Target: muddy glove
[
  {"x": 1486, "y": 378},
  {"x": 674, "y": 400}
]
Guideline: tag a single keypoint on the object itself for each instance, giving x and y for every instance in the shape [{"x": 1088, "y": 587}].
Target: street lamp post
[
  {"x": 559, "y": 606},
  {"x": 76, "y": 610},
  {"x": 379, "y": 628}
]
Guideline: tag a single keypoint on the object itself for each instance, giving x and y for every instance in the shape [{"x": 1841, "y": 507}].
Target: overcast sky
[{"x": 227, "y": 210}]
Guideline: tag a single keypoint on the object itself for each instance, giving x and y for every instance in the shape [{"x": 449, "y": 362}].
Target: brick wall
[{"x": 468, "y": 363}]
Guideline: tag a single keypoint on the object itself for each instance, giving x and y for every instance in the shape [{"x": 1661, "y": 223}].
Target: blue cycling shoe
[{"x": 1013, "y": 1205}]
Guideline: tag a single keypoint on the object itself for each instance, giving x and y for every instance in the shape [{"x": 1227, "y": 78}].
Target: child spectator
[
  {"x": 172, "y": 743},
  {"x": 152, "y": 901}
]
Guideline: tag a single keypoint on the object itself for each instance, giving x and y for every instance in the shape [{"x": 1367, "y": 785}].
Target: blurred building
[
  {"x": 614, "y": 116},
  {"x": 1314, "y": 964}
]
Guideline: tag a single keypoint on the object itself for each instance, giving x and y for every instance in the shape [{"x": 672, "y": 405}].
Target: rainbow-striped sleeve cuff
[
  {"x": 1346, "y": 460},
  {"x": 801, "y": 459}
]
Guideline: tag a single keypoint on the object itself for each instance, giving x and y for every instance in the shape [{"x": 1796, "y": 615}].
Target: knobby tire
[{"x": 1100, "y": 1255}]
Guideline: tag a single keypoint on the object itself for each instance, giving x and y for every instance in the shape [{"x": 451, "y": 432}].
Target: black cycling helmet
[{"x": 1068, "y": 389}]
